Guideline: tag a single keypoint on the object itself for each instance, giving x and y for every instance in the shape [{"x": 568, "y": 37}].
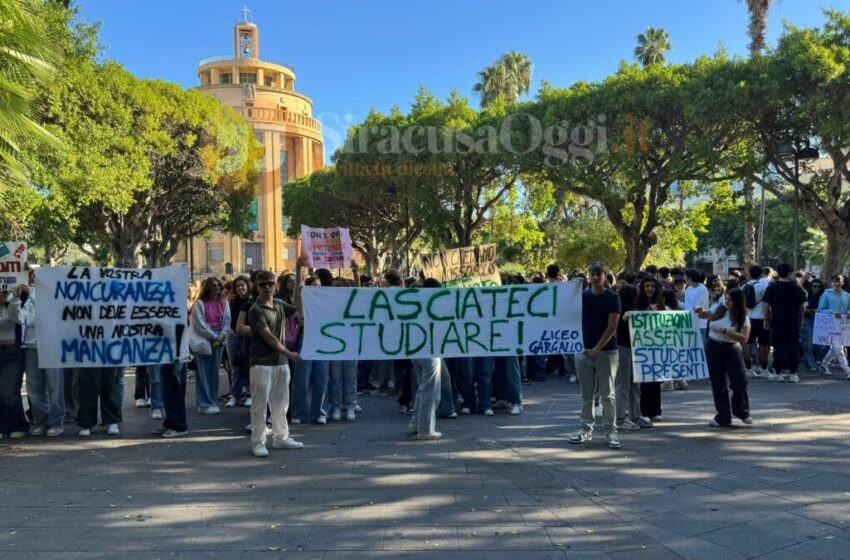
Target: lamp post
[{"x": 799, "y": 149}]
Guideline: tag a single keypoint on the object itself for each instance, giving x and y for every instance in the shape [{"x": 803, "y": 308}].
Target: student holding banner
[
  {"x": 651, "y": 297},
  {"x": 836, "y": 301},
  {"x": 597, "y": 365},
  {"x": 13, "y": 423},
  {"x": 729, "y": 328}
]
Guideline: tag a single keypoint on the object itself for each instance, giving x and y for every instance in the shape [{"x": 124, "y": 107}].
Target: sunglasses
[{"x": 267, "y": 284}]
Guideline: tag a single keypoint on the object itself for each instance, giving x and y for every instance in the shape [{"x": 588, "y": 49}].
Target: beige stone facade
[{"x": 264, "y": 93}]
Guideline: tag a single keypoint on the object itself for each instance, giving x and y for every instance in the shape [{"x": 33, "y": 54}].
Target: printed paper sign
[
  {"x": 395, "y": 323},
  {"x": 326, "y": 247},
  {"x": 830, "y": 330},
  {"x": 13, "y": 259},
  {"x": 463, "y": 267},
  {"x": 107, "y": 317},
  {"x": 666, "y": 345}
]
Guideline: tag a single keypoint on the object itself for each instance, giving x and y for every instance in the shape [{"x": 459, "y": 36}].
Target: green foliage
[{"x": 588, "y": 239}]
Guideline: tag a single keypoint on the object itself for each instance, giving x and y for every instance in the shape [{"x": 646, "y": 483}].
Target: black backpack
[{"x": 749, "y": 290}]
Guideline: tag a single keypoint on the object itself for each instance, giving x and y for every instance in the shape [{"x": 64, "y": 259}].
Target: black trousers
[
  {"x": 99, "y": 384},
  {"x": 142, "y": 390},
  {"x": 174, "y": 396},
  {"x": 650, "y": 399},
  {"x": 785, "y": 340},
  {"x": 726, "y": 369},
  {"x": 12, "y": 418}
]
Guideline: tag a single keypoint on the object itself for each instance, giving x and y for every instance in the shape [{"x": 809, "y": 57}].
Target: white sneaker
[
  {"x": 37, "y": 431},
  {"x": 488, "y": 412},
  {"x": 516, "y": 410},
  {"x": 658, "y": 418},
  {"x": 501, "y": 405},
  {"x": 84, "y": 432},
  {"x": 667, "y": 386},
  {"x": 772, "y": 376},
  {"x": 260, "y": 450},
  {"x": 295, "y": 421},
  {"x": 465, "y": 410},
  {"x": 357, "y": 408},
  {"x": 757, "y": 372},
  {"x": 824, "y": 369},
  {"x": 680, "y": 384},
  {"x": 322, "y": 420},
  {"x": 411, "y": 428},
  {"x": 336, "y": 415},
  {"x": 231, "y": 403},
  {"x": 17, "y": 435},
  {"x": 112, "y": 430},
  {"x": 614, "y": 441},
  {"x": 54, "y": 431},
  {"x": 748, "y": 421},
  {"x": 453, "y": 415},
  {"x": 644, "y": 422},
  {"x": 628, "y": 425},
  {"x": 429, "y": 435},
  {"x": 214, "y": 410},
  {"x": 248, "y": 402},
  {"x": 792, "y": 378},
  {"x": 287, "y": 443},
  {"x": 140, "y": 403},
  {"x": 147, "y": 402},
  {"x": 750, "y": 373},
  {"x": 350, "y": 415},
  {"x": 156, "y": 413}
]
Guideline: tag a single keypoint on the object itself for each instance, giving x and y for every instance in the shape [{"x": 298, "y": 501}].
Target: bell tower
[{"x": 246, "y": 40}]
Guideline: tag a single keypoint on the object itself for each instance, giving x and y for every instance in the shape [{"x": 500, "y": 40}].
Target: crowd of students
[{"x": 253, "y": 327}]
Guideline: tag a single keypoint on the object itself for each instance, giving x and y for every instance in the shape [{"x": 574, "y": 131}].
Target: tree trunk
[
  {"x": 837, "y": 253},
  {"x": 749, "y": 225},
  {"x": 636, "y": 251}
]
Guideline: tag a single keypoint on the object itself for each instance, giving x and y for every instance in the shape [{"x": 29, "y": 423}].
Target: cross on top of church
[{"x": 246, "y": 14}]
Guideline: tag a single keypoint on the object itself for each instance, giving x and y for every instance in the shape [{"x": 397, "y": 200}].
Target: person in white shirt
[
  {"x": 696, "y": 297},
  {"x": 758, "y": 283},
  {"x": 728, "y": 328}
]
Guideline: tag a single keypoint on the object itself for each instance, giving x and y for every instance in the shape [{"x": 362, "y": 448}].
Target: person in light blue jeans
[
  {"x": 45, "y": 386},
  {"x": 507, "y": 381},
  {"x": 342, "y": 389},
  {"x": 210, "y": 319},
  {"x": 310, "y": 392}
]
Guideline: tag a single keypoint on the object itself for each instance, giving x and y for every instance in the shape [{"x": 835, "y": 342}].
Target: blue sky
[{"x": 352, "y": 56}]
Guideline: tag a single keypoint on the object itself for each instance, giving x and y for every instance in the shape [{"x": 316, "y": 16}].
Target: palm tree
[
  {"x": 652, "y": 45},
  {"x": 25, "y": 60},
  {"x": 756, "y": 29},
  {"x": 508, "y": 77}
]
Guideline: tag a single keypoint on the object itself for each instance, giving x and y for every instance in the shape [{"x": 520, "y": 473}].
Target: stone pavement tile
[
  {"x": 749, "y": 540},
  {"x": 681, "y": 524},
  {"x": 656, "y": 552},
  {"x": 828, "y": 547},
  {"x": 421, "y": 538},
  {"x": 420, "y": 497},
  {"x": 517, "y": 497},
  {"x": 49, "y": 540},
  {"x": 480, "y": 496},
  {"x": 696, "y": 548},
  {"x": 118, "y": 538},
  {"x": 380, "y": 515},
  {"x": 354, "y": 497},
  {"x": 784, "y": 554},
  {"x": 489, "y": 555},
  {"x": 12, "y": 555},
  {"x": 834, "y": 511},
  {"x": 793, "y": 526},
  {"x": 587, "y": 555},
  {"x": 504, "y": 537},
  {"x": 190, "y": 539},
  {"x": 813, "y": 489},
  {"x": 354, "y": 555},
  {"x": 475, "y": 515},
  {"x": 539, "y": 516},
  {"x": 281, "y": 554},
  {"x": 265, "y": 538},
  {"x": 345, "y": 538},
  {"x": 585, "y": 516}
]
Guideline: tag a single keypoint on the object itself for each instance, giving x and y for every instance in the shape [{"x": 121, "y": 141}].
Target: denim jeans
[
  {"x": 342, "y": 384},
  {"x": 46, "y": 391},
  {"x": 155, "y": 382},
  {"x": 427, "y": 373},
  {"x": 507, "y": 379},
  {"x": 174, "y": 396},
  {"x": 237, "y": 355},
  {"x": 806, "y": 343},
  {"x": 598, "y": 372},
  {"x": 476, "y": 385},
  {"x": 536, "y": 368},
  {"x": 626, "y": 391},
  {"x": 447, "y": 402},
  {"x": 12, "y": 417},
  {"x": 206, "y": 378},
  {"x": 310, "y": 390}
]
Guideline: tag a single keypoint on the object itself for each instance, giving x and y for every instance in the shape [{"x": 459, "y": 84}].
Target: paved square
[{"x": 493, "y": 488}]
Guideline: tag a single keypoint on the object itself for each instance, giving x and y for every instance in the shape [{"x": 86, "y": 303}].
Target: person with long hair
[
  {"x": 729, "y": 328},
  {"x": 836, "y": 301},
  {"x": 651, "y": 298},
  {"x": 237, "y": 345},
  {"x": 211, "y": 320},
  {"x": 811, "y": 352}
]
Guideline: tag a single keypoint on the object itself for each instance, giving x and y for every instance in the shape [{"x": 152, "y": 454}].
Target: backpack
[{"x": 749, "y": 290}]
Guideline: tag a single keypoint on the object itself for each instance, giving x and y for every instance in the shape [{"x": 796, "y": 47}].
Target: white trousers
[{"x": 269, "y": 386}]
